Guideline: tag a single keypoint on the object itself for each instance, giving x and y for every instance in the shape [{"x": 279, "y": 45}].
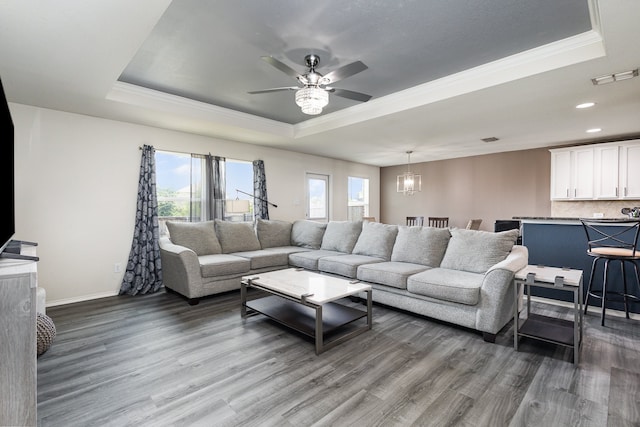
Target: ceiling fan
[{"x": 312, "y": 94}]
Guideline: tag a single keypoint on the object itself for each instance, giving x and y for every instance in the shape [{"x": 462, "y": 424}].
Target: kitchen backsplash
[{"x": 587, "y": 208}]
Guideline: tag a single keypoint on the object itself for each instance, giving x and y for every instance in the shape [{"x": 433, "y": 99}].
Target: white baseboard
[
  {"x": 592, "y": 309},
  {"x": 65, "y": 301}
]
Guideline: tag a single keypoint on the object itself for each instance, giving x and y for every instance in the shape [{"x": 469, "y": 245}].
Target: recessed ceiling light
[
  {"x": 594, "y": 130},
  {"x": 586, "y": 105}
]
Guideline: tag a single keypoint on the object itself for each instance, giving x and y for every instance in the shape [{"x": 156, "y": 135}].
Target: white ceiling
[{"x": 443, "y": 75}]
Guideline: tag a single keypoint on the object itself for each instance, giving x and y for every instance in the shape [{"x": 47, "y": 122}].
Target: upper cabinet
[
  {"x": 596, "y": 172},
  {"x": 630, "y": 170},
  {"x": 572, "y": 174}
]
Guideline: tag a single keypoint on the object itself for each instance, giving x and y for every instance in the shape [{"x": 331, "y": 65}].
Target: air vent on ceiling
[
  {"x": 490, "y": 139},
  {"x": 610, "y": 78}
]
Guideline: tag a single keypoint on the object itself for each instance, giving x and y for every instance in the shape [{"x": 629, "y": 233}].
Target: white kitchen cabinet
[
  {"x": 630, "y": 170},
  {"x": 608, "y": 171},
  {"x": 560, "y": 174},
  {"x": 572, "y": 173}
]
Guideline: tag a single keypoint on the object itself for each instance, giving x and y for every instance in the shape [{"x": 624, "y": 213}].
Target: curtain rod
[{"x": 197, "y": 154}]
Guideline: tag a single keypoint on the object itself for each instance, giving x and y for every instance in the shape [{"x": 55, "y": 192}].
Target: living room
[{"x": 77, "y": 170}]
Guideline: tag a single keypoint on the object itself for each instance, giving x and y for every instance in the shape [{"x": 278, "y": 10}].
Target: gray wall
[{"x": 494, "y": 186}]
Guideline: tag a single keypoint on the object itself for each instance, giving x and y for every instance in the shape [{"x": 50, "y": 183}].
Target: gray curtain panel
[
  {"x": 208, "y": 189},
  {"x": 218, "y": 185},
  {"x": 260, "y": 205},
  {"x": 144, "y": 270}
]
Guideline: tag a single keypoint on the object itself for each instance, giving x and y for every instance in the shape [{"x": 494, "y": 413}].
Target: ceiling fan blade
[
  {"x": 344, "y": 72},
  {"x": 274, "y": 89},
  {"x": 357, "y": 96},
  {"x": 282, "y": 67}
]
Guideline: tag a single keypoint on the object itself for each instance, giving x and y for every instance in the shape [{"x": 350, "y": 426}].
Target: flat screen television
[{"x": 7, "y": 183}]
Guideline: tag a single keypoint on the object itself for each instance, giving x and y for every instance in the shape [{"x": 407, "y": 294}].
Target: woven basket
[{"x": 45, "y": 332}]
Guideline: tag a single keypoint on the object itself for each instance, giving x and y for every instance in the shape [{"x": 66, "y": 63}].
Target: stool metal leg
[
  {"x": 604, "y": 290},
  {"x": 625, "y": 291},
  {"x": 593, "y": 270}
]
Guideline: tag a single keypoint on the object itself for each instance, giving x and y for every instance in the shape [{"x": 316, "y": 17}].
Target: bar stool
[{"x": 612, "y": 240}]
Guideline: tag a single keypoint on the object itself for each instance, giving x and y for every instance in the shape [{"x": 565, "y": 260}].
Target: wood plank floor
[{"x": 156, "y": 361}]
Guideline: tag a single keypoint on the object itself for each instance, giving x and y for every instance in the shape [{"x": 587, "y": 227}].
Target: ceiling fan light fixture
[{"x": 312, "y": 100}]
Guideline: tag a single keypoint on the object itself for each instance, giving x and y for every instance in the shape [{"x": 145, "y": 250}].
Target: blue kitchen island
[{"x": 562, "y": 242}]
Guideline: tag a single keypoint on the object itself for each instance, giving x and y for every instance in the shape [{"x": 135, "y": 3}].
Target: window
[
  {"x": 358, "y": 198},
  {"x": 182, "y": 194},
  {"x": 318, "y": 197},
  {"x": 173, "y": 187},
  {"x": 239, "y": 176}
]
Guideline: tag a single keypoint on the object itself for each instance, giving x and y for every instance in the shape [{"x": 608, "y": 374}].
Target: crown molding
[
  {"x": 160, "y": 101},
  {"x": 572, "y": 50}
]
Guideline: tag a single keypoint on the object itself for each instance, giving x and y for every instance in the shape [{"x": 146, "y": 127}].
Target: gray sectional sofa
[{"x": 459, "y": 276}]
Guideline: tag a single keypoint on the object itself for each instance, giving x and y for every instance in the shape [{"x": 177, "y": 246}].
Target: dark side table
[{"x": 545, "y": 328}]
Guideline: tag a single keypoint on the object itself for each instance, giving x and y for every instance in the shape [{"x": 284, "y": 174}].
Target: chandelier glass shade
[
  {"x": 312, "y": 100},
  {"x": 409, "y": 182}
]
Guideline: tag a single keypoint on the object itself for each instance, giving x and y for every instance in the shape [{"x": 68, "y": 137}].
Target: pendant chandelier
[{"x": 409, "y": 182}]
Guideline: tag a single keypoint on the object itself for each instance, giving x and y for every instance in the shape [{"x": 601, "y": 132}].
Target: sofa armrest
[
  {"x": 180, "y": 269},
  {"x": 517, "y": 259},
  {"x": 496, "y": 293}
]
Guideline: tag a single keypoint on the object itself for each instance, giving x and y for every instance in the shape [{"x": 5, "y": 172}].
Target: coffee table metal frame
[{"x": 328, "y": 315}]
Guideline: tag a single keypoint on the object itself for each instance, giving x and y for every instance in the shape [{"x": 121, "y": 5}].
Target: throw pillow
[
  {"x": 477, "y": 251},
  {"x": 236, "y": 236},
  {"x": 273, "y": 233},
  {"x": 341, "y": 236},
  {"x": 307, "y": 234},
  {"x": 376, "y": 239},
  {"x": 421, "y": 245},
  {"x": 200, "y": 237}
]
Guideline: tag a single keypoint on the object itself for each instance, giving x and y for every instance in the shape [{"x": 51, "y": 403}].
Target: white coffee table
[{"x": 306, "y": 302}]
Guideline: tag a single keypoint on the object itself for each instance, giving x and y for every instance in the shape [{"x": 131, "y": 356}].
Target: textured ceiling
[
  {"x": 443, "y": 74},
  {"x": 210, "y": 51}
]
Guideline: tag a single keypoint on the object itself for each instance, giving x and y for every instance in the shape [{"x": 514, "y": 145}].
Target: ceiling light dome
[{"x": 312, "y": 100}]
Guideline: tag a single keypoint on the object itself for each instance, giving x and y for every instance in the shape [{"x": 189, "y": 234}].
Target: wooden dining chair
[
  {"x": 415, "y": 221},
  {"x": 474, "y": 224},
  {"x": 438, "y": 221}
]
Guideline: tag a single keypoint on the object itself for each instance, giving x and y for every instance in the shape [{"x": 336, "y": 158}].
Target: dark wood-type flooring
[{"x": 156, "y": 361}]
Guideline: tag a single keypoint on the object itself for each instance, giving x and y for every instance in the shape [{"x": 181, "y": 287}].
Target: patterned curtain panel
[
  {"x": 260, "y": 206},
  {"x": 144, "y": 270}
]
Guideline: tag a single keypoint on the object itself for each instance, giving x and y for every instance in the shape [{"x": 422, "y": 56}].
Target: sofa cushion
[
  {"x": 309, "y": 260},
  {"x": 341, "y": 236},
  {"x": 394, "y": 274},
  {"x": 449, "y": 285},
  {"x": 223, "y": 265},
  {"x": 307, "y": 234},
  {"x": 476, "y": 251},
  {"x": 288, "y": 249},
  {"x": 236, "y": 236},
  {"x": 376, "y": 240},
  {"x": 421, "y": 245},
  {"x": 200, "y": 237},
  {"x": 273, "y": 233},
  {"x": 264, "y": 259},
  {"x": 346, "y": 264}
]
